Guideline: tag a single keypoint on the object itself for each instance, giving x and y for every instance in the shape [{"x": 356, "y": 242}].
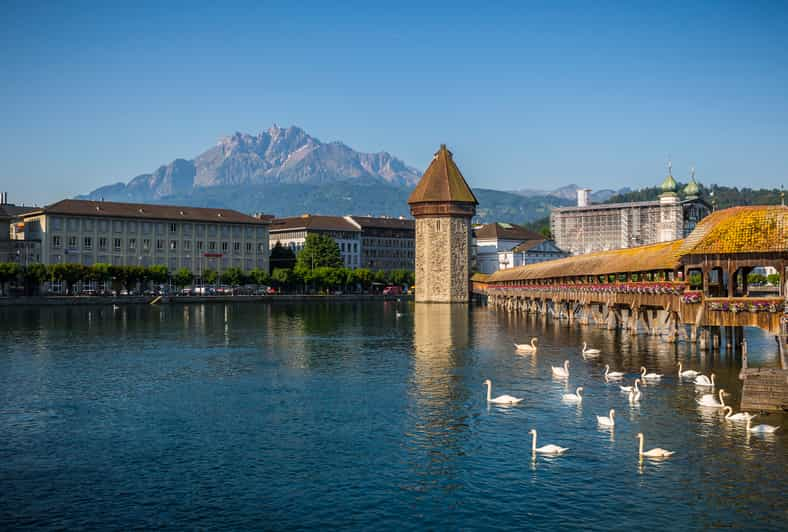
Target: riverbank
[{"x": 37, "y": 301}]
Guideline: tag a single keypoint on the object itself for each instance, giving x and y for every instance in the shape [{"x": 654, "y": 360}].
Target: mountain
[
  {"x": 287, "y": 172},
  {"x": 569, "y": 192}
]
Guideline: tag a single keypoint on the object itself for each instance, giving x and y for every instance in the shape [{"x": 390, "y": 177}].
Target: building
[
  {"x": 131, "y": 234},
  {"x": 292, "y": 232},
  {"x": 499, "y": 246},
  {"x": 13, "y": 248},
  {"x": 386, "y": 243},
  {"x": 588, "y": 228},
  {"x": 443, "y": 205}
]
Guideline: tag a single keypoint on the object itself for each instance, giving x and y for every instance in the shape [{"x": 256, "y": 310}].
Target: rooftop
[
  {"x": 313, "y": 222},
  {"x": 442, "y": 182},
  {"x": 506, "y": 231},
  {"x": 750, "y": 229},
  {"x": 146, "y": 211},
  {"x": 386, "y": 223}
]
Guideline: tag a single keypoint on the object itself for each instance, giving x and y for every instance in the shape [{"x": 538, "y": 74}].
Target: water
[{"x": 343, "y": 416}]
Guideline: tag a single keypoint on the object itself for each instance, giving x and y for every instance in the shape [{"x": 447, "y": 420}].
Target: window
[
  {"x": 160, "y": 244},
  {"x": 117, "y": 243},
  {"x": 173, "y": 228},
  {"x": 56, "y": 241},
  {"x": 187, "y": 245},
  {"x": 237, "y": 247},
  {"x": 102, "y": 242},
  {"x": 225, "y": 246},
  {"x": 355, "y": 248},
  {"x": 146, "y": 244},
  {"x": 211, "y": 246},
  {"x": 248, "y": 247},
  {"x": 132, "y": 243},
  {"x": 173, "y": 244},
  {"x": 199, "y": 245},
  {"x": 72, "y": 242},
  {"x": 87, "y": 243}
]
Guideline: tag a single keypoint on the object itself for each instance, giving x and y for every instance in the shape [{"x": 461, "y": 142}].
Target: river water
[{"x": 343, "y": 415}]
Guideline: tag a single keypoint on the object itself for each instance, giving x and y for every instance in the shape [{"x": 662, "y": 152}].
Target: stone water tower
[{"x": 443, "y": 205}]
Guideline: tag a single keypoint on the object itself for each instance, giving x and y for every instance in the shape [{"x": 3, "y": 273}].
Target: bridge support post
[{"x": 703, "y": 341}]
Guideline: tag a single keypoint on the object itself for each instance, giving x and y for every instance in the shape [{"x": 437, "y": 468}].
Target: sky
[{"x": 526, "y": 95}]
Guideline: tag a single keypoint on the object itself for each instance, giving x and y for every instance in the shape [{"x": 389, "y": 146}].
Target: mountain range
[{"x": 287, "y": 172}]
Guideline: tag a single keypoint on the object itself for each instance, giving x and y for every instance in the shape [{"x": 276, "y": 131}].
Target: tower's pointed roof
[{"x": 442, "y": 182}]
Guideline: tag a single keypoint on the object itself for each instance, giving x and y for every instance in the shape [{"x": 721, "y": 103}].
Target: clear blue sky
[{"x": 526, "y": 95}]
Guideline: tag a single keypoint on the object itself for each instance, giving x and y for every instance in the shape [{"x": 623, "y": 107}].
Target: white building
[
  {"x": 132, "y": 234},
  {"x": 500, "y": 246},
  {"x": 292, "y": 232}
]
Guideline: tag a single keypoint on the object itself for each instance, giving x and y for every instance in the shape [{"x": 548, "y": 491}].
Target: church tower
[
  {"x": 671, "y": 214},
  {"x": 443, "y": 205}
]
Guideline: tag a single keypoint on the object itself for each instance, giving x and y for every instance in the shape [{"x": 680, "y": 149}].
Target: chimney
[
  {"x": 3, "y": 198},
  {"x": 582, "y": 196}
]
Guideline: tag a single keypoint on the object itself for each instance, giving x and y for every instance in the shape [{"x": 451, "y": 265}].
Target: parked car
[
  {"x": 204, "y": 290},
  {"x": 187, "y": 291},
  {"x": 392, "y": 290},
  {"x": 88, "y": 292}
]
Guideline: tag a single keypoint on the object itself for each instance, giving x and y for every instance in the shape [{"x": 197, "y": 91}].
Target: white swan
[
  {"x": 656, "y": 452},
  {"x": 741, "y": 416},
  {"x": 612, "y": 374},
  {"x": 501, "y": 399},
  {"x": 688, "y": 374},
  {"x": 607, "y": 421},
  {"x": 710, "y": 399},
  {"x": 649, "y": 376},
  {"x": 115, "y": 307},
  {"x": 530, "y": 348},
  {"x": 398, "y": 314},
  {"x": 574, "y": 397},
  {"x": 559, "y": 371},
  {"x": 703, "y": 380},
  {"x": 545, "y": 449},
  {"x": 762, "y": 429},
  {"x": 633, "y": 388},
  {"x": 634, "y": 396},
  {"x": 587, "y": 351}
]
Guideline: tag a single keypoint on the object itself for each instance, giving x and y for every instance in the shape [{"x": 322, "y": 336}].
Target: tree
[
  {"x": 233, "y": 276},
  {"x": 259, "y": 277},
  {"x": 101, "y": 272},
  {"x": 8, "y": 272},
  {"x": 210, "y": 276},
  {"x": 382, "y": 277},
  {"x": 158, "y": 273},
  {"x": 773, "y": 279},
  {"x": 281, "y": 257},
  {"x": 69, "y": 274},
  {"x": 318, "y": 251},
  {"x": 282, "y": 277},
  {"x": 402, "y": 277},
  {"x": 363, "y": 276},
  {"x": 35, "y": 275},
  {"x": 182, "y": 277}
]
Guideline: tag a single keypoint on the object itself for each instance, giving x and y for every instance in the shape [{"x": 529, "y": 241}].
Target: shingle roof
[
  {"x": 314, "y": 222},
  {"x": 528, "y": 245},
  {"x": 147, "y": 211},
  {"x": 662, "y": 256},
  {"x": 750, "y": 229},
  {"x": 388, "y": 223},
  {"x": 16, "y": 210},
  {"x": 442, "y": 182},
  {"x": 505, "y": 230}
]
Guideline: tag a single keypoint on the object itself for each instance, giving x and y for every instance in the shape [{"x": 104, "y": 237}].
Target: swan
[
  {"x": 587, "y": 351},
  {"x": 501, "y": 399},
  {"x": 688, "y": 374},
  {"x": 531, "y": 348},
  {"x": 634, "y": 388},
  {"x": 634, "y": 396},
  {"x": 710, "y": 399},
  {"x": 656, "y": 452},
  {"x": 115, "y": 307},
  {"x": 703, "y": 380},
  {"x": 545, "y": 449},
  {"x": 574, "y": 397},
  {"x": 612, "y": 374},
  {"x": 559, "y": 371},
  {"x": 741, "y": 416},
  {"x": 649, "y": 376},
  {"x": 607, "y": 421},
  {"x": 762, "y": 429}
]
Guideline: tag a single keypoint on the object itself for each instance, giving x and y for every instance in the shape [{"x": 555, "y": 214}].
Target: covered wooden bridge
[{"x": 689, "y": 289}]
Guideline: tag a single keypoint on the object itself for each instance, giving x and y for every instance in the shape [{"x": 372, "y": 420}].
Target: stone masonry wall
[{"x": 442, "y": 259}]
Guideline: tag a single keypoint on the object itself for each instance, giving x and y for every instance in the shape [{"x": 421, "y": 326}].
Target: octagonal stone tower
[{"x": 443, "y": 205}]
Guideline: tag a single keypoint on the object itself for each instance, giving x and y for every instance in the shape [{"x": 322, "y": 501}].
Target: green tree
[
  {"x": 69, "y": 274},
  {"x": 364, "y": 277},
  {"x": 101, "y": 272},
  {"x": 158, "y": 273},
  {"x": 773, "y": 279},
  {"x": 210, "y": 276},
  {"x": 182, "y": 277},
  {"x": 8, "y": 272},
  {"x": 382, "y": 276},
  {"x": 402, "y": 277},
  {"x": 281, "y": 257},
  {"x": 282, "y": 277},
  {"x": 233, "y": 276},
  {"x": 35, "y": 275},
  {"x": 318, "y": 251},
  {"x": 259, "y": 277}
]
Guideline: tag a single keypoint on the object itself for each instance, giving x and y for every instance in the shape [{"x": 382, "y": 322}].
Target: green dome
[
  {"x": 692, "y": 189},
  {"x": 669, "y": 185}
]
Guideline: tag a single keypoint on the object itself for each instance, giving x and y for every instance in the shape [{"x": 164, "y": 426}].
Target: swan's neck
[
  {"x": 577, "y": 393},
  {"x": 722, "y": 401},
  {"x": 643, "y": 372},
  {"x": 533, "y": 343},
  {"x": 640, "y": 446},
  {"x": 566, "y": 366},
  {"x": 533, "y": 442},
  {"x": 679, "y": 368},
  {"x": 607, "y": 370},
  {"x": 612, "y": 414},
  {"x": 636, "y": 386},
  {"x": 489, "y": 391},
  {"x": 712, "y": 379},
  {"x": 728, "y": 412}
]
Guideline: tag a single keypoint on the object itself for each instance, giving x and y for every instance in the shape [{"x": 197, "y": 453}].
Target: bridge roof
[
  {"x": 750, "y": 229},
  {"x": 662, "y": 256}
]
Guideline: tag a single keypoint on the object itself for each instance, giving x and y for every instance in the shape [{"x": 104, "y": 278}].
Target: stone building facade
[{"x": 443, "y": 205}]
